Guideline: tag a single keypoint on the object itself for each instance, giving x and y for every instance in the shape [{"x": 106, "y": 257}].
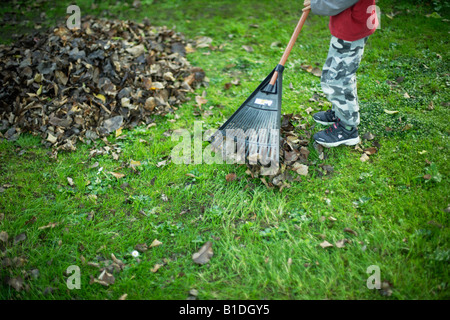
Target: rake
[{"x": 252, "y": 133}]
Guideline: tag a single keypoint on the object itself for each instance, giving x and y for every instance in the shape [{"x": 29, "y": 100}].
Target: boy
[{"x": 351, "y": 23}]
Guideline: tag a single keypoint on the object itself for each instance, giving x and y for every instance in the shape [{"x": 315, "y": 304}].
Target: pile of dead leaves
[{"x": 83, "y": 84}]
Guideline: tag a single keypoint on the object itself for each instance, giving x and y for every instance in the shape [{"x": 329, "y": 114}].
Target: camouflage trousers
[{"x": 339, "y": 78}]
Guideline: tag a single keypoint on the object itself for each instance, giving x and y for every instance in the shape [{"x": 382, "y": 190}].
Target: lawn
[{"x": 391, "y": 211}]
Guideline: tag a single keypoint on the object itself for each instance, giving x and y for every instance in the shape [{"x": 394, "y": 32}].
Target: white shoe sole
[
  {"x": 349, "y": 142},
  {"x": 323, "y": 122}
]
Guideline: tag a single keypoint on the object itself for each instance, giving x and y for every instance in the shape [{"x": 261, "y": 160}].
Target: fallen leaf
[
  {"x": 100, "y": 97},
  {"x": 370, "y": 151},
  {"x": 200, "y": 101},
  {"x": 19, "y": 238},
  {"x": 156, "y": 267},
  {"x": 106, "y": 278},
  {"x": 364, "y": 157},
  {"x": 50, "y": 225},
  {"x": 204, "y": 254},
  {"x": 390, "y": 111},
  {"x": 309, "y": 110},
  {"x": 248, "y": 48},
  {"x": 70, "y": 181},
  {"x": 155, "y": 243},
  {"x": 162, "y": 163},
  {"x": 325, "y": 244},
  {"x": 3, "y": 236},
  {"x": 341, "y": 243},
  {"x": 386, "y": 288},
  {"x": 317, "y": 72},
  {"x": 230, "y": 177},
  {"x": 368, "y": 136},
  {"x": 117, "y": 175},
  {"x": 350, "y": 231},
  {"x": 16, "y": 283},
  {"x": 301, "y": 169}
]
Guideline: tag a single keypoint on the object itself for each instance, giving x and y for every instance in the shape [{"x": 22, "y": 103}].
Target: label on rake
[{"x": 263, "y": 102}]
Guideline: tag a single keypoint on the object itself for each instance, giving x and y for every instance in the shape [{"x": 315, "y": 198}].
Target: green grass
[{"x": 265, "y": 242}]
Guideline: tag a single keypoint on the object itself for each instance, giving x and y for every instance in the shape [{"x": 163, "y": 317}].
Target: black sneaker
[
  {"x": 336, "y": 135},
  {"x": 325, "y": 117}
]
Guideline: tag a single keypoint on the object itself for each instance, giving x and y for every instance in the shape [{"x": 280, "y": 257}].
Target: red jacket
[{"x": 355, "y": 22}]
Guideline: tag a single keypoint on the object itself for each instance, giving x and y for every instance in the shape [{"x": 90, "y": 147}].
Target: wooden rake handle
[{"x": 290, "y": 45}]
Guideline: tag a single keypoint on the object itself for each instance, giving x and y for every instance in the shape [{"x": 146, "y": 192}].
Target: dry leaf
[
  {"x": 364, "y": 157},
  {"x": 156, "y": 267},
  {"x": 230, "y": 177},
  {"x": 368, "y": 136},
  {"x": 248, "y": 48},
  {"x": 350, "y": 231},
  {"x": 107, "y": 278},
  {"x": 19, "y": 238},
  {"x": 200, "y": 101},
  {"x": 370, "y": 151},
  {"x": 390, "y": 112},
  {"x": 155, "y": 243},
  {"x": 117, "y": 175},
  {"x": 341, "y": 243},
  {"x": 3, "y": 236},
  {"x": 50, "y": 225},
  {"x": 162, "y": 163},
  {"x": 301, "y": 169},
  {"x": 204, "y": 254},
  {"x": 326, "y": 244}
]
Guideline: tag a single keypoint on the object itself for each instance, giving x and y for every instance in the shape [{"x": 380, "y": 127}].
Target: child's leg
[{"x": 339, "y": 78}]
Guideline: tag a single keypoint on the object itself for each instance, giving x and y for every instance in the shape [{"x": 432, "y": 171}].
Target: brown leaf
[
  {"x": 106, "y": 278},
  {"x": 141, "y": 247},
  {"x": 204, "y": 255},
  {"x": 155, "y": 243},
  {"x": 156, "y": 267},
  {"x": 341, "y": 243},
  {"x": 364, "y": 157},
  {"x": 117, "y": 175},
  {"x": 16, "y": 283},
  {"x": 325, "y": 244},
  {"x": 50, "y": 225},
  {"x": 317, "y": 72},
  {"x": 123, "y": 297},
  {"x": 230, "y": 177},
  {"x": 3, "y": 236},
  {"x": 19, "y": 238},
  {"x": 368, "y": 136},
  {"x": 370, "y": 151},
  {"x": 200, "y": 101},
  {"x": 350, "y": 231}
]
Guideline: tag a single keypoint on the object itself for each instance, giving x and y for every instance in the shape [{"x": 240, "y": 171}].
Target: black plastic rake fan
[{"x": 254, "y": 129}]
